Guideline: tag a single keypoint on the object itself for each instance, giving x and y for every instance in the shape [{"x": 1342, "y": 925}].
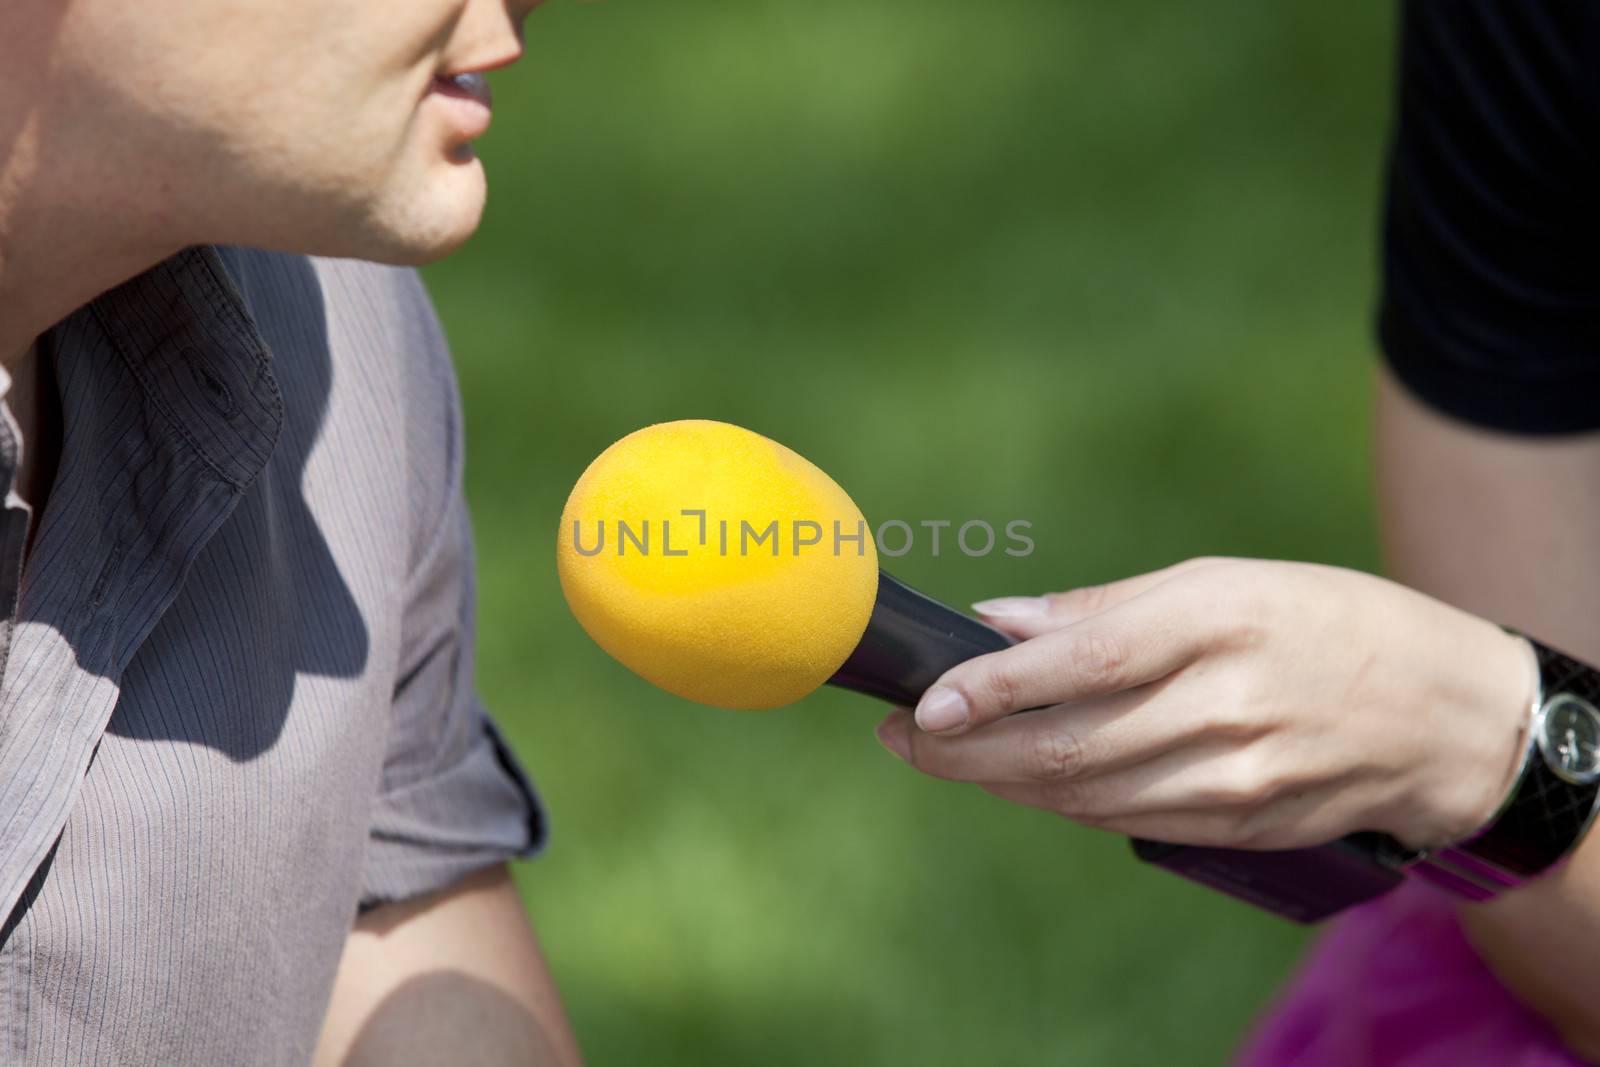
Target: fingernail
[
  {"x": 892, "y": 737},
  {"x": 942, "y": 708},
  {"x": 1013, "y": 607}
]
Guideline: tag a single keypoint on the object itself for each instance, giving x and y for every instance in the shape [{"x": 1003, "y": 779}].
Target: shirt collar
[{"x": 185, "y": 333}]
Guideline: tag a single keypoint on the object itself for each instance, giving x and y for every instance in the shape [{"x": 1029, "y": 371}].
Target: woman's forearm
[
  {"x": 1543, "y": 943},
  {"x": 1506, "y": 527}
]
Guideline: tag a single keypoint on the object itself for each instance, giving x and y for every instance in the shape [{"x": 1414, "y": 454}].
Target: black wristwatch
[{"x": 1553, "y": 802}]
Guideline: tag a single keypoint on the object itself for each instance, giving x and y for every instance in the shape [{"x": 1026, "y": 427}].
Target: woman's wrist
[{"x": 1472, "y": 746}]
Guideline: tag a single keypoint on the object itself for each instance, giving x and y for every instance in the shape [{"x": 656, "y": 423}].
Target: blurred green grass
[{"x": 1107, "y": 268}]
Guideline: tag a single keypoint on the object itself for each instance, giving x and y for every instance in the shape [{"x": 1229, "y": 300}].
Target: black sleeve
[{"x": 1491, "y": 264}]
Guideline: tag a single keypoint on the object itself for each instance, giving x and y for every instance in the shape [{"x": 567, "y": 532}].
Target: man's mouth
[
  {"x": 464, "y": 100},
  {"x": 471, "y": 85}
]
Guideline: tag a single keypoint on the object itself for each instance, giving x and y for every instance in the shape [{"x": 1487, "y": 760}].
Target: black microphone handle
[{"x": 912, "y": 639}]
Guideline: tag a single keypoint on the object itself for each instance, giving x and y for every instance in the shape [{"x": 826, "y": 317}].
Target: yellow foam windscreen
[{"x": 717, "y": 564}]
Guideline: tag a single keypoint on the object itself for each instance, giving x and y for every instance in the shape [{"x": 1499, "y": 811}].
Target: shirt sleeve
[
  {"x": 453, "y": 798},
  {"x": 1490, "y": 309}
]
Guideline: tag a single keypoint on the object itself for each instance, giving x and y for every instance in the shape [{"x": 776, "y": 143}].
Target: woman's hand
[{"x": 1236, "y": 702}]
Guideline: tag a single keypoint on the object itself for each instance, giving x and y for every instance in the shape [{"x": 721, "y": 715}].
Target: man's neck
[
  {"x": 56, "y": 256},
  {"x": 40, "y": 285}
]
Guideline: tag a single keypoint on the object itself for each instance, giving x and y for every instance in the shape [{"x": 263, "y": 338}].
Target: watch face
[{"x": 1569, "y": 738}]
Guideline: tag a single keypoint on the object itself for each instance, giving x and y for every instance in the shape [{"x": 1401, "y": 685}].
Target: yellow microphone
[
  {"x": 725, "y": 568},
  {"x": 720, "y": 566}
]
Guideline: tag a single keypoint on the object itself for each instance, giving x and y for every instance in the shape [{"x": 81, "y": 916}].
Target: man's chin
[
  {"x": 418, "y": 254},
  {"x": 432, "y": 222},
  {"x": 406, "y": 224}
]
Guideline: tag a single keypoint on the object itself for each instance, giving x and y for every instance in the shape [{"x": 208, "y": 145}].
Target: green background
[{"x": 1105, "y": 267}]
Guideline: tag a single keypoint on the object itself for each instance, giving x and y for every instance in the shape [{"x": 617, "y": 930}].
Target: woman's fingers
[
  {"x": 1029, "y": 616},
  {"x": 1209, "y": 775},
  {"x": 1141, "y": 639},
  {"x": 1113, "y": 760},
  {"x": 1052, "y": 745}
]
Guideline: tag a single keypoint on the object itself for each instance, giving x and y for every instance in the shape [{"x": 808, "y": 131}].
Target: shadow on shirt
[{"x": 265, "y": 602}]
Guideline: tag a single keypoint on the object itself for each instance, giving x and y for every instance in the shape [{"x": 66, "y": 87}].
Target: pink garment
[{"x": 1394, "y": 983}]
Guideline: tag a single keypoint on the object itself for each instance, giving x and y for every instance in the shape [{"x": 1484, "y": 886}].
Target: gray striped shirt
[{"x": 237, "y": 703}]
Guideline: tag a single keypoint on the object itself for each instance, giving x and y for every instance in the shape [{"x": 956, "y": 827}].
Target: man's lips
[{"x": 465, "y": 99}]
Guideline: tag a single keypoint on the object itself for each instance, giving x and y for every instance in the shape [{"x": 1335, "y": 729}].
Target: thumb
[{"x": 1029, "y": 616}]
